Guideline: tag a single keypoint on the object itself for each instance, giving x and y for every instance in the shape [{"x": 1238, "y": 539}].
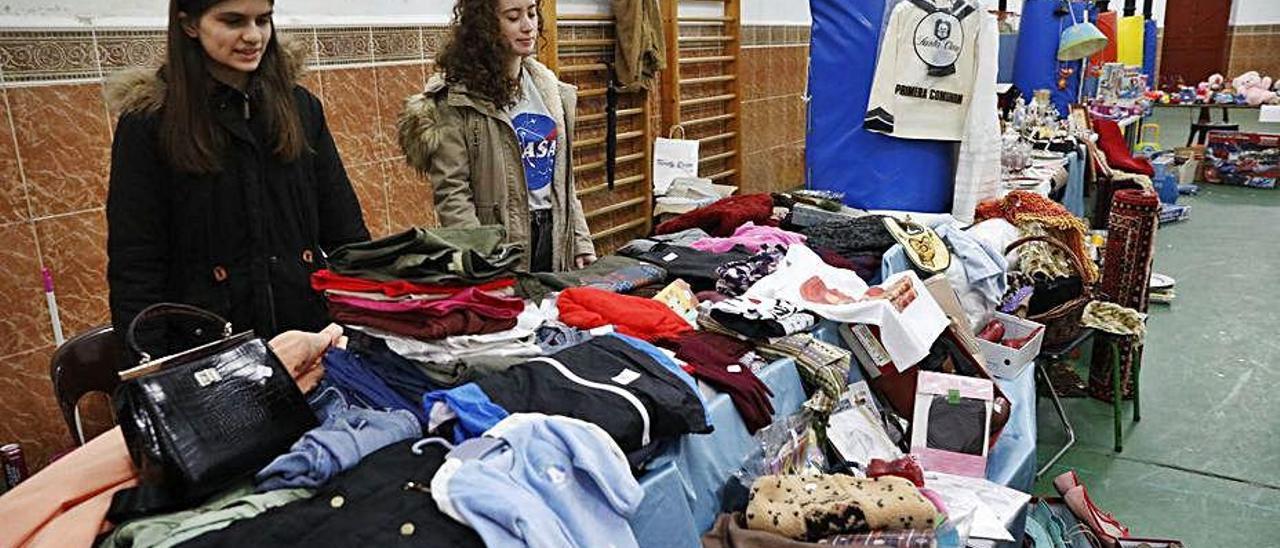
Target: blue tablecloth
[
  {"x": 1073, "y": 200},
  {"x": 683, "y": 487}
]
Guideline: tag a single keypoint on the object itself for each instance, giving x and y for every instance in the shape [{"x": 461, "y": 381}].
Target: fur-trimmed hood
[
  {"x": 418, "y": 126},
  {"x": 143, "y": 89},
  {"x": 468, "y": 149}
]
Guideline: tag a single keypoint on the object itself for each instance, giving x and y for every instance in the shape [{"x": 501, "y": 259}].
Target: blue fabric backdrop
[{"x": 873, "y": 170}]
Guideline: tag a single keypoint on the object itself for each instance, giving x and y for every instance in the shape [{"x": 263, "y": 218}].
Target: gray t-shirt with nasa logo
[{"x": 537, "y": 134}]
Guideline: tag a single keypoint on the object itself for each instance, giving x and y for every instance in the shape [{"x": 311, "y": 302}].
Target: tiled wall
[
  {"x": 774, "y": 74},
  {"x": 55, "y": 138},
  {"x": 1253, "y": 47}
]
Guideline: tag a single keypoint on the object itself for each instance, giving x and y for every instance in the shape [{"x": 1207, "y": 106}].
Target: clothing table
[
  {"x": 1012, "y": 462},
  {"x": 682, "y": 489}
]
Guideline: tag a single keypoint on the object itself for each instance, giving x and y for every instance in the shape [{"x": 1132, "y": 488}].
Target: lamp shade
[{"x": 1079, "y": 41}]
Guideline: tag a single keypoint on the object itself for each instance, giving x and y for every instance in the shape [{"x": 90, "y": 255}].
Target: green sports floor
[{"x": 1203, "y": 465}]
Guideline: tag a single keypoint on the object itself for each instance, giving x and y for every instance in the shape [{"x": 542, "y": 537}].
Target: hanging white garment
[{"x": 978, "y": 167}]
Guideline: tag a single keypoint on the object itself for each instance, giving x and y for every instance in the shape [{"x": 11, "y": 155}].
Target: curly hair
[{"x": 475, "y": 53}]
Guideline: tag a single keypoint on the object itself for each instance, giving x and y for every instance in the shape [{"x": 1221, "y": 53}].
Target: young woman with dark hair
[
  {"x": 226, "y": 187},
  {"x": 493, "y": 132}
]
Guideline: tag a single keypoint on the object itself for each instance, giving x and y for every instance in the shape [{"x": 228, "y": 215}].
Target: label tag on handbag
[{"x": 206, "y": 377}]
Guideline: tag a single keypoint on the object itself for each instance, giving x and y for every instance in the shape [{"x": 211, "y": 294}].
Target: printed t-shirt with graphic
[
  {"x": 537, "y": 134},
  {"x": 926, "y": 70}
]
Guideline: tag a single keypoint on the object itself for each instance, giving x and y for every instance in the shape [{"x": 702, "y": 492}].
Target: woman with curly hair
[{"x": 493, "y": 132}]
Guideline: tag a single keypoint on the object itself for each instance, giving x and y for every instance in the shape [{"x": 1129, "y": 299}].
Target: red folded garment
[
  {"x": 714, "y": 358},
  {"x": 475, "y": 300},
  {"x": 1112, "y": 143},
  {"x": 725, "y": 216},
  {"x": 418, "y": 326},
  {"x": 646, "y": 319},
  {"x": 325, "y": 280}
]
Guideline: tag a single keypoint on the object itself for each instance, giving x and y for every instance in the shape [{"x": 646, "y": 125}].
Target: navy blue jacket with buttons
[{"x": 242, "y": 242}]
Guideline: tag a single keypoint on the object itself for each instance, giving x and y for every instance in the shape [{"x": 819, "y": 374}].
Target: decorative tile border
[
  {"x": 31, "y": 57},
  {"x": 775, "y": 35},
  {"x": 48, "y": 55},
  {"x": 1254, "y": 29}
]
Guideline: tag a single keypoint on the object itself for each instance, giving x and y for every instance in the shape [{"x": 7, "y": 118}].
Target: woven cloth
[
  {"x": 1131, "y": 233},
  {"x": 1022, "y": 208},
  {"x": 821, "y": 365},
  {"x": 1114, "y": 319}
]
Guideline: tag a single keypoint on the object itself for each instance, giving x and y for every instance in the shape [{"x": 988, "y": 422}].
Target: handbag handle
[
  {"x": 1075, "y": 261},
  {"x": 170, "y": 309}
]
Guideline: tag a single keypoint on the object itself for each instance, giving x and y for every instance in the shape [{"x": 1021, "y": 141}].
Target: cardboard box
[
  {"x": 1006, "y": 362},
  {"x": 1244, "y": 159}
]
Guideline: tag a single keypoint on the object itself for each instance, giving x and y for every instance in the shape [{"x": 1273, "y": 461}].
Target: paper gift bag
[{"x": 672, "y": 159}]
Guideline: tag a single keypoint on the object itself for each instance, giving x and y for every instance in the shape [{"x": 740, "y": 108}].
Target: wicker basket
[{"x": 1061, "y": 323}]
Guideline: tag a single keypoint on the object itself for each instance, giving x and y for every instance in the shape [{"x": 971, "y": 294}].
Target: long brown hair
[
  {"x": 189, "y": 135},
  {"x": 475, "y": 53}
]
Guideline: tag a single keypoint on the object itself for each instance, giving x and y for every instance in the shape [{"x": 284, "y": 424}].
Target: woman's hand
[
  {"x": 302, "y": 353},
  {"x": 582, "y": 261}
]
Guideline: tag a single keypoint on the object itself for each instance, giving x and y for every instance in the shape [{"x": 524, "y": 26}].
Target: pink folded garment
[
  {"x": 751, "y": 236},
  {"x": 471, "y": 299},
  {"x": 66, "y": 503}
]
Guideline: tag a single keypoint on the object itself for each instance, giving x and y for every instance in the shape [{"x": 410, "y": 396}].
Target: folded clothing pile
[
  {"x": 722, "y": 218},
  {"x": 647, "y": 319},
  {"x": 426, "y": 284},
  {"x": 698, "y": 268},
  {"x": 629, "y": 388},
  {"x": 611, "y": 273}
]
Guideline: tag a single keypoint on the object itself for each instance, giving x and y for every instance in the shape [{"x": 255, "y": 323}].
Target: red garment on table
[
  {"x": 646, "y": 319},
  {"x": 1112, "y": 143},
  {"x": 420, "y": 326},
  {"x": 725, "y": 216},
  {"x": 325, "y": 280},
  {"x": 473, "y": 299},
  {"x": 713, "y": 358}
]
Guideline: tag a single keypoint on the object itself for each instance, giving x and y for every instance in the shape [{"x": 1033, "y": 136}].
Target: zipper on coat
[{"x": 631, "y": 398}]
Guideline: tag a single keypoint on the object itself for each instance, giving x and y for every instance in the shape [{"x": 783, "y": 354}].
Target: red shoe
[
  {"x": 1068, "y": 482},
  {"x": 1102, "y": 524}
]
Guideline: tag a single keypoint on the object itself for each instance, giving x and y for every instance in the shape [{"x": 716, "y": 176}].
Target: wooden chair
[{"x": 85, "y": 364}]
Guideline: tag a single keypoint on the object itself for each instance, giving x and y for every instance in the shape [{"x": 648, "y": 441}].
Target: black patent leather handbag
[{"x": 199, "y": 419}]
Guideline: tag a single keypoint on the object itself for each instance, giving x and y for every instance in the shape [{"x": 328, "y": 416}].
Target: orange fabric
[
  {"x": 1020, "y": 207},
  {"x": 647, "y": 319},
  {"x": 65, "y": 505}
]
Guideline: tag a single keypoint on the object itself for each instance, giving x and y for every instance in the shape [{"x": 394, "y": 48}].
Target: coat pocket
[{"x": 489, "y": 213}]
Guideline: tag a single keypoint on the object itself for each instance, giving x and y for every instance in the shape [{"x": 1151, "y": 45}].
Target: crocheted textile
[
  {"x": 1114, "y": 319},
  {"x": 1131, "y": 231},
  {"x": 1021, "y": 208}
]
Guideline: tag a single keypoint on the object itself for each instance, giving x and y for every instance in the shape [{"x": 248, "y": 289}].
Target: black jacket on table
[
  {"x": 242, "y": 242},
  {"x": 384, "y": 501}
]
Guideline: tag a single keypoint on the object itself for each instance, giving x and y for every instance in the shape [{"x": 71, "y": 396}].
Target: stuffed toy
[
  {"x": 1255, "y": 89},
  {"x": 1206, "y": 90}
]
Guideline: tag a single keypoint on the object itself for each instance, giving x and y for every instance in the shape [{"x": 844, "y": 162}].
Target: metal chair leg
[
  {"x": 1062, "y": 414},
  {"x": 1117, "y": 386},
  {"x": 1137, "y": 376}
]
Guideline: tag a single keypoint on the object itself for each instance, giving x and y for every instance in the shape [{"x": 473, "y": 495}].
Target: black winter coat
[{"x": 242, "y": 242}]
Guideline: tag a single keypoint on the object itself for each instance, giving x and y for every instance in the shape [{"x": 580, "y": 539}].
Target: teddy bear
[
  {"x": 1255, "y": 88},
  {"x": 1207, "y": 89}
]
